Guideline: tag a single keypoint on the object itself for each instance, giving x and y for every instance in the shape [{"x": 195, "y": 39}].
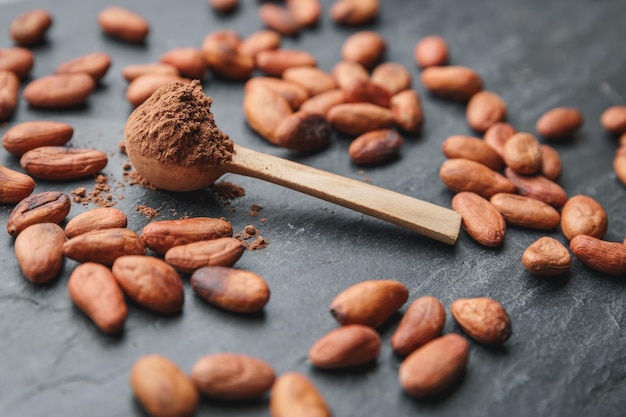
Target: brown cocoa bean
[
  {"x": 313, "y": 79},
  {"x": 551, "y": 166},
  {"x": 559, "y": 123},
  {"x": 375, "y": 147},
  {"x": 431, "y": 51},
  {"x": 279, "y": 18},
  {"x": 358, "y": 118},
  {"x": 365, "y": 91},
  {"x": 305, "y": 12},
  {"x": 485, "y": 109},
  {"x": 265, "y": 110},
  {"x": 227, "y": 376},
  {"x": 123, "y": 24},
  {"x": 144, "y": 86},
  {"x": 104, "y": 246},
  {"x": 227, "y": 37},
  {"x": 150, "y": 282},
  {"x": 95, "y": 292},
  {"x": 224, "y": 6},
  {"x": 9, "y": 92},
  {"x": 497, "y": 136},
  {"x": 522, "y": 153},
  {"x": 619, "y": 164},
  {"x": 160, "y": 236},
  {"x": 223, "y": 251},
  {"x": 422, "y": 322},
  {"x": 354, "y": 12},
  {"x": 369, "y": 303},
  {"x": 474, "y": 149},
  {"x": 406, "y": 108},
  {"x": 303, "y": 132},
  {"x": 189, "y": 61},
  {"x": 459, "y": 174},
  {"x": 38, "y": 249},
  {"x": 14, "y": 186},
  {"x": 323, "y": 102},
  {"x": 95, "y": 64},
  {"x": 96, "y": 219},
  {"x": 394, "y": 77},
  {"x": 293, "y": 394},
  {"x": 59, "y": 91},
  {"x": 30, "y": 28},
  {"x": 45, "y": 207},
  {"x": 261, "y": 40},
  {"x": 546, "y": 257},
  {"x": 345, "y": 347},
  {"x": 231, "y": 289},
  {"x": 162, "y": 388},
  {"x": 434, "y": 367},
  {"x": 294, "y": 93},
  {"x": 481, "y": 220},
  {"x": 30, "y": 135},
  {"x": 455, "y": 83},
  {"x": 130, "y": 72},
  {"x": 603, "y": 256},
  {"x": 483, "y": 319},
  {"x": 220, "y": 51},
  {"x": 345, "y": 72},
  {"x": 582, "y": 215},
  {"x": 17, "y": 60},
  {"x": 538, "y": 187},
  {"x": 525, "y": 211},
  {"x": 60, "y": 163},
  {"x": 613, "y": 119},
  {"x": 275, "y": 62},
  {"x": 364, "y": 47}
]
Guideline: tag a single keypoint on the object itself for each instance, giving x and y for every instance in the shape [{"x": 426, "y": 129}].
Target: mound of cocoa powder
[{"x": 175, "y": 126}]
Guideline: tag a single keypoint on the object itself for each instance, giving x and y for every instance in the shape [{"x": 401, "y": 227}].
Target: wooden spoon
[{"x": 419, "y": 216}]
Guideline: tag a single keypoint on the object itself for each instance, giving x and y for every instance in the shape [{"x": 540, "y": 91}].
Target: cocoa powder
[{"x": 175, "y": 126}]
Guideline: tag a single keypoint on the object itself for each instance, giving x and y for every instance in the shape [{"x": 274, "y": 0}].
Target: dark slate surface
[{"x": 566, "y": 356}]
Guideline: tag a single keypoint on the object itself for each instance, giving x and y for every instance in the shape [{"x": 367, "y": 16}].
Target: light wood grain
[{"x": 410, "y": 213}]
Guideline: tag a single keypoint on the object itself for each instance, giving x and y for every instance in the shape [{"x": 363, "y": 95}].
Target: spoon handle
[{"x": 419, "y": 216}]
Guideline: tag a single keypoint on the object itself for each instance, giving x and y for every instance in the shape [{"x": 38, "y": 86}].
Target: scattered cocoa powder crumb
[
  {"x": 259, "y": 243},
  {"x": 254, "y": 210},
  {"x": 126, "y": 166},
  {"x": 80, "y": 192},
  {"x": 134, "y": 178},
  {"x": 227, "y": 191},
  {"x": 149, "y": 212},
  {"x": 249, "y": 231},
  {"x": 100, "y": 195},
  {"x": 263, "y": 220},
  {"x": 365, "y": 179},
  {"x": 122, "y": 147}
]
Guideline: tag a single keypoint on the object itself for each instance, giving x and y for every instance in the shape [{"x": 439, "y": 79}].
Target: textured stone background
[{"x": 566, "y": 356}]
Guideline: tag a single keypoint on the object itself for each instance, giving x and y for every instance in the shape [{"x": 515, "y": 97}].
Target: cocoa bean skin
[
  {"x": 162, "y": 388},
  {"x": 45, "y": 207},
  {"x": 369, "y": 302},
  {"x": 150, "y": 282},
  {"x": 94, "y": 290},
  {"x": 229, "y": 376},
  {"x": 39, "y": 251},
  {"x": 345, "y": 347},
  {"x": 231, "y": 289}
]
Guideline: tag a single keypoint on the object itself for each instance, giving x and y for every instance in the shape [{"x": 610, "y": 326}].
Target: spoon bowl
[{"x": 171, "y": 176}]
